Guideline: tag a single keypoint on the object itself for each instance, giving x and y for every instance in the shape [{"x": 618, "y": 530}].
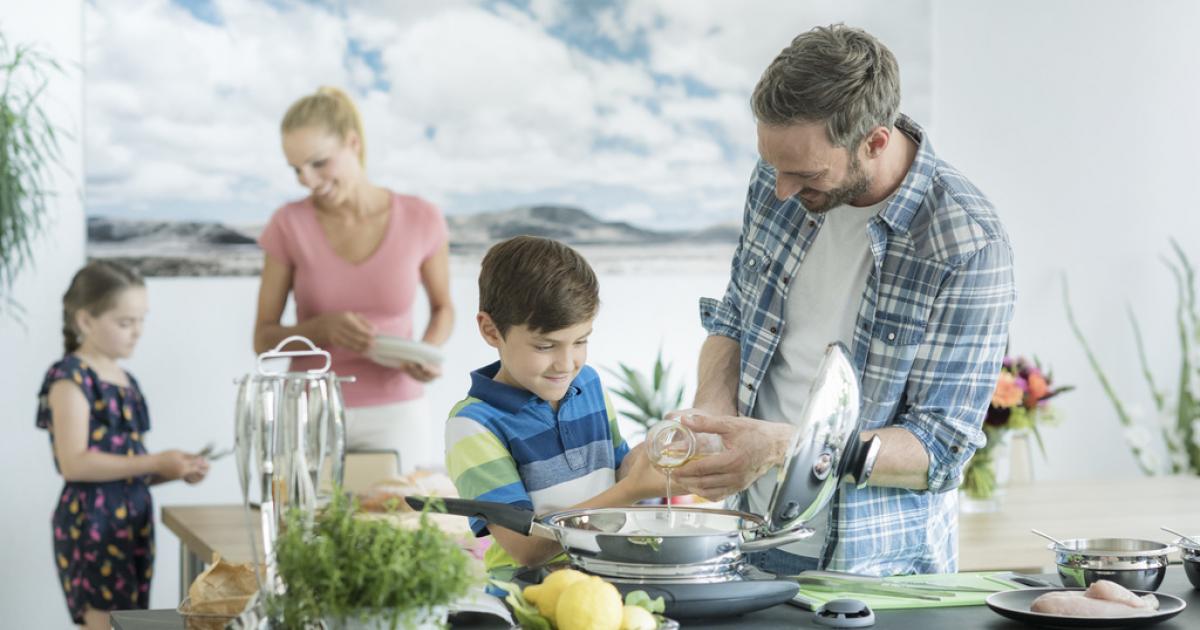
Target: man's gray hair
[{"x": 838, "y": 75}]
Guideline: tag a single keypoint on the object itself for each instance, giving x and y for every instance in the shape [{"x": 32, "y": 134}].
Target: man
[{"x": 854, "y": 231}]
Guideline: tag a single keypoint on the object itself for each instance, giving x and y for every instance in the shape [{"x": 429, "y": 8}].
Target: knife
[
  {"x": 855, "y": 578},
  {"x": 945, "y": 587},
  {"x": 818, "y": 583}
]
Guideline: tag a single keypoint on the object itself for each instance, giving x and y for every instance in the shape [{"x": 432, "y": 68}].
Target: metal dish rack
[{"x": 289, "y": 431}]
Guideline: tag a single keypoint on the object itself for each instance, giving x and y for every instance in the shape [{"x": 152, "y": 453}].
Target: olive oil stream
[{"x": 670, "y": 460}]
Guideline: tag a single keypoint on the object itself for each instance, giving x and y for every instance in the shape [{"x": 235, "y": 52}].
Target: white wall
[
  {"x": 1079, "y": 120},
  {"x": 29, "y": 486},
  {"x": 1083, "y": 141}
]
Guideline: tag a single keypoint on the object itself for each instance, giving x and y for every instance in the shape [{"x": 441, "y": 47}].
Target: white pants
[{"x": 404, "y": 427}]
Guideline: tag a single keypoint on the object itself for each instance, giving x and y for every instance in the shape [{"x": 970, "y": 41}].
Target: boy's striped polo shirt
[{"x": 505, "y": 444}]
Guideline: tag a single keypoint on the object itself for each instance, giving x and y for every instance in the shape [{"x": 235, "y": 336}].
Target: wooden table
[
  {"x": 207, "y": 529},
  {"x": 998, "y": 541},
  {"x": 1131, "y": 508}
]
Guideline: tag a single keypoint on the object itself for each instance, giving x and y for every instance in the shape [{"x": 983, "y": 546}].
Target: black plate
[
  {"x": 1015, "y": 605},
  {"x": 697, "y": 600}
]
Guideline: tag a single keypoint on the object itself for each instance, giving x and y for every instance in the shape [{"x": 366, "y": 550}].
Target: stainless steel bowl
[
  {"x": 1132, "y": 563},
  {"x": 1191, "y": 560}
]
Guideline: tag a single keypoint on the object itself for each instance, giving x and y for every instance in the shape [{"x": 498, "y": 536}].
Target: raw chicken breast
[
  {"x": 1113, "y": 592},
  {"x": 1074, "y": 604},
  {"x": 1102, "y": 599}
]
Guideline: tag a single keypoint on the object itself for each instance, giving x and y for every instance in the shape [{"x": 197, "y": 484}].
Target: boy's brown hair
[{"x": 537, "y": 282}]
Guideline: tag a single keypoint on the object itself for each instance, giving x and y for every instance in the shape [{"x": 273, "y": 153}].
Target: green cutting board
[{"x": 949, "y": 581}]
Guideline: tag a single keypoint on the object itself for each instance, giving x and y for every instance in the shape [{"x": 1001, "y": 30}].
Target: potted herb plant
[{"x": 354, "y": 573}]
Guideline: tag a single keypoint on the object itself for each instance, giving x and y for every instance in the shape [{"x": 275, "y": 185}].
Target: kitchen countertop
[
  {"x": 998, "y": 541},
  {"x": 1108, "y": 508},
  {"x": 786, "y": 616}
]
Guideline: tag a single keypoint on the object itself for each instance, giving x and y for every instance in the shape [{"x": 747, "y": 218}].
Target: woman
[{"x": 352, "y": 254}]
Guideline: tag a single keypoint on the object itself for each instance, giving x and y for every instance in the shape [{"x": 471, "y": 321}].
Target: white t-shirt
[{"x": 822, "y": 307}]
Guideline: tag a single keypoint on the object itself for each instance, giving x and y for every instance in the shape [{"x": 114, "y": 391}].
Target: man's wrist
[
  {"x": 715, "y": 407},
  {"x": 781, "y": 443}
]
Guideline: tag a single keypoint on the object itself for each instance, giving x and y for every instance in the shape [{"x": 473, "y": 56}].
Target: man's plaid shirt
[{"x": 930, "y": 335}]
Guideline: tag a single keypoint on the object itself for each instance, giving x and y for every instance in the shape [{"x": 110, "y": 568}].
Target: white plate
[
  {"x": 391, "y": 351},
  {"x": 1016, "y": 605}
]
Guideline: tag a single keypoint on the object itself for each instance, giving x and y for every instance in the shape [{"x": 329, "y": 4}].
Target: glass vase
[{"x": 1000, "y": 463}]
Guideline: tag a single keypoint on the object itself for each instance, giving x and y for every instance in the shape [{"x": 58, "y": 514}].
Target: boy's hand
[{"x": 643, "y": 479}]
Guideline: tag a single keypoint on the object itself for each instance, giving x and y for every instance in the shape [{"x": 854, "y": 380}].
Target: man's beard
[{"x": 857, "y": 184}]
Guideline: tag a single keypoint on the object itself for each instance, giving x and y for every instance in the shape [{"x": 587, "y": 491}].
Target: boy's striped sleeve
[
  {"x": 620, "y": 447},
  {"x": 482, "y": 468}
]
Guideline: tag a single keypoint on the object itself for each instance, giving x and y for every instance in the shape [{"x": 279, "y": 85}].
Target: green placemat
[{"x": 996, "y": 581}]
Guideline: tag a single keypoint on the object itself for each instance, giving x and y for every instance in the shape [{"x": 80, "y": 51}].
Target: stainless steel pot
[
  {"x": 649, "y": 535},
  {"x": 826, "y": 447},
  {"x": 1191, "y": 560},
  {"x": 1132, "y": 563}
]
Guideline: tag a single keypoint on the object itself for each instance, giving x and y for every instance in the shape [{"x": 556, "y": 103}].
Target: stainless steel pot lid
[{"x": 826, "y": 445}]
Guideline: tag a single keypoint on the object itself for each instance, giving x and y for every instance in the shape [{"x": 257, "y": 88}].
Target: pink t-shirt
[{"x": 381, "y": 288}]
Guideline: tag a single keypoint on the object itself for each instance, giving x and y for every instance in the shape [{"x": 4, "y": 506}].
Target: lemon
[
  {"x": 590, "y": 604},
  {"x": 545, "y": 595},
  {"x": 638, "y": 618}
]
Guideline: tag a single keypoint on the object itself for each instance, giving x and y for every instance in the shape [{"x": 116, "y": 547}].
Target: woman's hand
[
  {"x": 423, "y": 372},
  {"x": 346, "y": 330}
]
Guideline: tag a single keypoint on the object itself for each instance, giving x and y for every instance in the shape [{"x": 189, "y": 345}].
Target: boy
[{"x": 536, "y": 429}]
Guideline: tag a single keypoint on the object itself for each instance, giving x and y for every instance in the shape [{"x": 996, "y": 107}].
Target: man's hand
[
  {"x": 752, "y": 447},
  {"x": 680, "y": 414}
]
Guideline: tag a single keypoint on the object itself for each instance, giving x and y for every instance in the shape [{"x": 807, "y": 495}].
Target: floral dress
[{"x": 103, "y": 532}]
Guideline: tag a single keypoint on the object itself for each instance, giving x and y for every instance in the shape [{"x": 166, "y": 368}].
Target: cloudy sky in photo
[{"x": 634, "y": 111}]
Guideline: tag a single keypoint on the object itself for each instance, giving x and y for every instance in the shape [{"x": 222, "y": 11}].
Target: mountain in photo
[{"x": 198, "y": 248}]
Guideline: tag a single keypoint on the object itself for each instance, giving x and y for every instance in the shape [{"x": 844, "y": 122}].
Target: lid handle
[
  {"x": 278, "y": 353},
  {"x": 860, "y": 458}
]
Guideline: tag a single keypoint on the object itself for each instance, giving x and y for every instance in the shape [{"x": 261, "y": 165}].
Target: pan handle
[
  {"x": 519, "y": 520},
  {"x": 771, "y": 542}
]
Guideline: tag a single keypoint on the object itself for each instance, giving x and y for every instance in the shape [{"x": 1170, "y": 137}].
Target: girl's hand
[
  {"x": 347, "y": 330},
  {"x": 176, "y": 464},
  {"x": 423, "y": 372},
  {"x": 197, "y": 475}
]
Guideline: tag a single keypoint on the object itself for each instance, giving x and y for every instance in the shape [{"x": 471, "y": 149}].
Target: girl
[
  {"x": 96, "y": 417},
  {"x": 352, "y": 255}
]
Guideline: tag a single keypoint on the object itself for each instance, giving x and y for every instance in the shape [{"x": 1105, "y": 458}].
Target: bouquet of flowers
[
  {"x": 1177, "y": 413},
  {"x": 1019, "y": 403}
]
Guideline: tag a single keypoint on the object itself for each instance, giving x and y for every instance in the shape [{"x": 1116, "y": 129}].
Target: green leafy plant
[
  {"x": 651, "y": 397},
  {"x": 343, "y": 567},
  {"x": 29, "y": 149},
  {"x": 1178, "y": 414}
]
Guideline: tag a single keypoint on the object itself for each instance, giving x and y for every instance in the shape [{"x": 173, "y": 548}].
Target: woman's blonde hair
[{"x": 330, "y": 108}]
